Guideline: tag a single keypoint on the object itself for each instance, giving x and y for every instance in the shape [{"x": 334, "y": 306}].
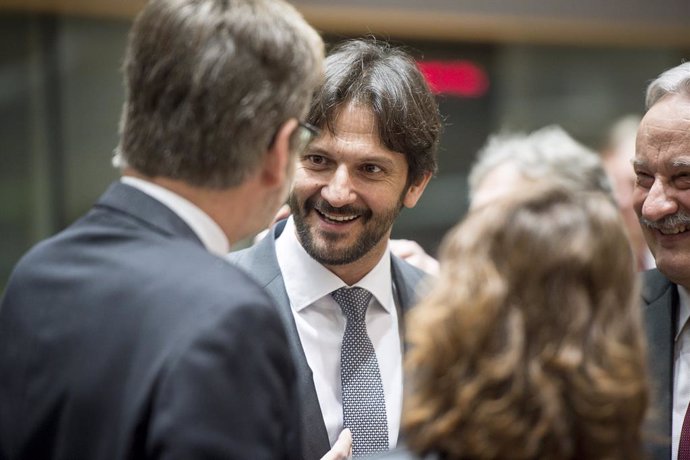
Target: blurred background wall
[{"x": 514, "y": 65}]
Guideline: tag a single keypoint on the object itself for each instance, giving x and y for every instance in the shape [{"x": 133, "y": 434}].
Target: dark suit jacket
[
  {"x": 123, "y": 338},
  {"x": 260, "y": 261},
  {"x": 660, "y": 305}
]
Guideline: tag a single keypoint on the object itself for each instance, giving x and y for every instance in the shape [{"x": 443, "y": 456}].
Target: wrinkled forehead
[{"x": 669, "y": 118}]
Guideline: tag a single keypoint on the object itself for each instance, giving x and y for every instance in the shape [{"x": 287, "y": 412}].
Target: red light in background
[{"x": 455, "y": 78}]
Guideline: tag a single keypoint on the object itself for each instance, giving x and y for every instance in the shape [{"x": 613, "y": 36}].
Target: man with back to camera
[
  {"x": 127, "y": 335},
  {"x": 329, "y": 267},
  {"x": 662, "y": 202}
]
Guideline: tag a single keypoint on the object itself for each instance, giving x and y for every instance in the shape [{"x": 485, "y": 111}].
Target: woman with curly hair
[{"x": 530, "y": 345}]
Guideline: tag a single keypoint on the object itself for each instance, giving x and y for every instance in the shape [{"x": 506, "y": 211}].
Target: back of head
[
  {"x": 208, "y": 84},
  {"x": 530, "y": 346},
  {"x": 548, "y": 154},
  {"x": 673, "y": 81},
  {"x": 387, "y": 81}
]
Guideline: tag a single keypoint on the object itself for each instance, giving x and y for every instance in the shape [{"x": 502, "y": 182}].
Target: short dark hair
[
  {"x": 386, "y": 80},
  {"x": 208, "y": 84}
]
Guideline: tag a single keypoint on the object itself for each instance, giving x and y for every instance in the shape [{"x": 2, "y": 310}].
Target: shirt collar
[
  {"x": 683, "y": 309},
  {"x": 205, "y": 228},
  {"x": 312, "y": 281}
]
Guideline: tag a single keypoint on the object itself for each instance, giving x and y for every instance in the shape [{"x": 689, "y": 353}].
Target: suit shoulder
[
  {"x": 412, "y": 283},
  {"x": 408, "y": 273},
  {"x": 242, "y": 257}
]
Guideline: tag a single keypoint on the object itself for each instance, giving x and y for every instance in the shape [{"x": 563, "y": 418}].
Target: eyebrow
[
  {"x": 681, "y": 162},
  {"x": 378, "y": 159},
  {"x": 372, "y": 158}
]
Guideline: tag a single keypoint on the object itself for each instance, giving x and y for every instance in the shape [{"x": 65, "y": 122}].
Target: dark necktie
[
  {"x": 684, "y": 444},
  {"x": 364, "y": 405}
]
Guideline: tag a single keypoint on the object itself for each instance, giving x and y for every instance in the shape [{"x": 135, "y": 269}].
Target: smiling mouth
[{"x": 335, "y": 218}]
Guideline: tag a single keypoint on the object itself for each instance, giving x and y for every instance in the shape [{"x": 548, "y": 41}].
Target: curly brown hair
[{"x": 530, "y": 346}]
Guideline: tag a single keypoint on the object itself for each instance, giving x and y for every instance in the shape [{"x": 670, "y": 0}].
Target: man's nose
[
  {"x": 339, "y": 191},
  {"x": 659, "y": 203}
]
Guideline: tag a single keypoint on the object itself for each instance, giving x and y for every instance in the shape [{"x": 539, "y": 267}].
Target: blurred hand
[
  {"x": 411, "y": 252},
  {"x": 342, "y": 449}
]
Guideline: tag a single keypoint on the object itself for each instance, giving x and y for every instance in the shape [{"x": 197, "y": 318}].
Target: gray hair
[
  {"x": 673, "y": 81},
  {"x": 546, "y": 154},
  {"x": 209, "y": 83}
]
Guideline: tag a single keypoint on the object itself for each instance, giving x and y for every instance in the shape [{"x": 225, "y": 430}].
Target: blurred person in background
[
  {"x": 661, "y": 199},
  {"x": 328, "y": 267},
  {"x": 512, "y": 162},
  {"x": 617, "y": 155},
  {"x": 127, "y": 335},
  {"x": 529, "y": 344}
]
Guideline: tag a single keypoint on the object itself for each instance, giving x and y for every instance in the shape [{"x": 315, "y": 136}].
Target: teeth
[
  {"x": 672, "y": 231},
  {"x": 339, "y": 218}
]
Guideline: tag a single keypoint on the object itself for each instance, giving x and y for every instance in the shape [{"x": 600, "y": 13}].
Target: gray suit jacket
[
  {"x": 660, "y": 305},
  {"x": 260, "y": 262}
]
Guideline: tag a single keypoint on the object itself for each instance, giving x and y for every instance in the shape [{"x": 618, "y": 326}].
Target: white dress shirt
[
  {"x": 321, "y": 325},
  {"x": 681, "y": 370},
  {"x": 205, "y": 228}
]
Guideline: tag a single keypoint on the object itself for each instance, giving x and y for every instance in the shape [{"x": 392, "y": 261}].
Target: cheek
[
  {"x": 684, "y": 200},
  {"x": 304, "y": 187}
]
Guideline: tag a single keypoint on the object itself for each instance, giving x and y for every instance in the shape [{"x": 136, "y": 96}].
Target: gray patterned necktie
[{"x": 364, "y": 405}]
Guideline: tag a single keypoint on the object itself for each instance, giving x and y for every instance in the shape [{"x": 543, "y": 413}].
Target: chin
[{"x": 675, "y": 269}]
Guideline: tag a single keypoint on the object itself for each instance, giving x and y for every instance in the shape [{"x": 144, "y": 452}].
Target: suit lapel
[
  {"x": 407, "y": 281},
  {"x": 660, "y": 299},
  {"x": 409, "y": 285},
  {"x": 261, "y": 263}
]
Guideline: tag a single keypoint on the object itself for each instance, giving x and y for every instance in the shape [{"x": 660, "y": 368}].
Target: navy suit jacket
[
  {"x": 260, "y": 261},
  {"x": 660, "y": 305},
  {"x": 122, "y": 337}
]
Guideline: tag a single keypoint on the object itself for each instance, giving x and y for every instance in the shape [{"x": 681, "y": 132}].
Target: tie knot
[{"x": 353, "y": 302}]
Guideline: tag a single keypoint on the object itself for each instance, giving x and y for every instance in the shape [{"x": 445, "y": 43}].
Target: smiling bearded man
[{"x": 342, "y": 295}]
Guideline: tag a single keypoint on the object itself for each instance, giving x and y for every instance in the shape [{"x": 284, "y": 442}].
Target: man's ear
[
  {"x": 414, "y": 192},
  {"x": 275, "y": 169}
]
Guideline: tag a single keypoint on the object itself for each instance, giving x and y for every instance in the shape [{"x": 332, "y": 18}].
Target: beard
[{"x": 326, "y": 251}]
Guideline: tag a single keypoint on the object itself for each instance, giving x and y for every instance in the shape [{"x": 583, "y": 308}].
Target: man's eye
[
  {"x": 644, "y": 180},
  {"x": 316, "y": 160},
  {"x": 372, "y": 169},
  {"x": 682, "y": 180}
]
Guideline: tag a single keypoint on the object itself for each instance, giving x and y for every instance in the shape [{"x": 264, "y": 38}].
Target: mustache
[{"x": 674, "y": 220}]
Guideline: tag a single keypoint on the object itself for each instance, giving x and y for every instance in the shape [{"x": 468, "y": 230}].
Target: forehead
[
  {"x": 355, "y": 135},
  {"x": 664, "y": 133}
]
